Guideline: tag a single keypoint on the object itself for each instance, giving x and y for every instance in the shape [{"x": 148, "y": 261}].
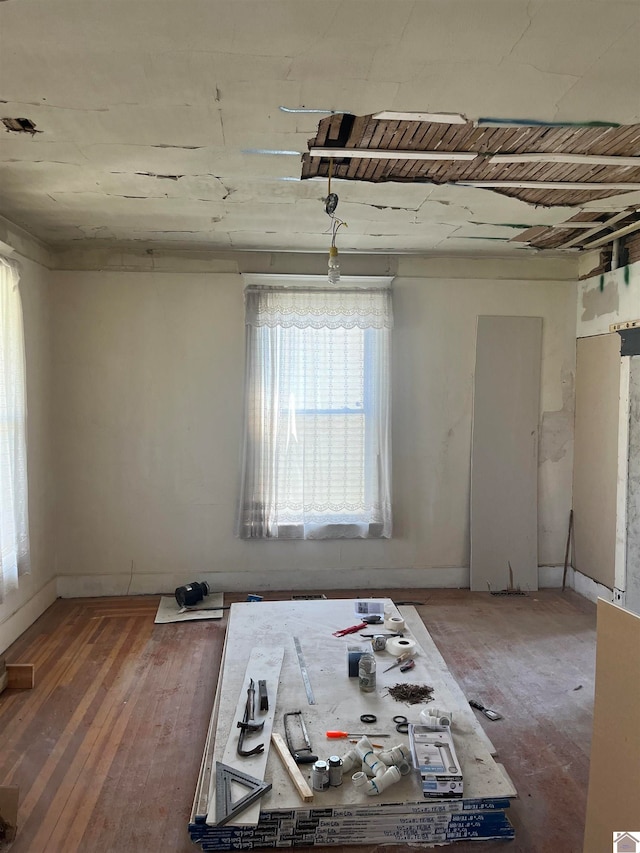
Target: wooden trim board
[{"x": 300, "y": 783}]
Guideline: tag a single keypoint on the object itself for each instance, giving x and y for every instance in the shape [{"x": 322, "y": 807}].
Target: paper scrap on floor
[{"x": 170, "y": 611}]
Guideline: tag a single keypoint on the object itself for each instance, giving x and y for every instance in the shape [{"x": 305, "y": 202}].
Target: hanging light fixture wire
[{"x": 330, "y": 204}]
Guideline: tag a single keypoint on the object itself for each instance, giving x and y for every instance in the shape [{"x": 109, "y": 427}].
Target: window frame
[
  {"x": 374, "y": 528},
  {"x": 14, "y": 491}
]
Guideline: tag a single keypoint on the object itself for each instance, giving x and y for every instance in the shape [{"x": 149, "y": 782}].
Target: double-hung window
[
  {"x": 317, "y": 438},
  {"x": 14, "y": 521}
]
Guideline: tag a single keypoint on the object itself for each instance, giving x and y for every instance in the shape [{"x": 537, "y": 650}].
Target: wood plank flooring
[{"x": 106, "y": 748}]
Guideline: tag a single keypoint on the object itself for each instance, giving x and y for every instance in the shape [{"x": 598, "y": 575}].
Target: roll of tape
[
  {"x": 394, "y": 623},
  {"x": 397, "y": 646}
]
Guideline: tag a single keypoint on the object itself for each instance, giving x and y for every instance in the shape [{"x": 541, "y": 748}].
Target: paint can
[
  {"x": 335, "y": 771},
  {"x": 320, "y": 776}
]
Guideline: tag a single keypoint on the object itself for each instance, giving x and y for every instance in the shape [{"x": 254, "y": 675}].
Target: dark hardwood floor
[{"x": 106, "y": 749}]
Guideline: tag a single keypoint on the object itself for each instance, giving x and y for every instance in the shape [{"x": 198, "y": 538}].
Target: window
[
  {"x": 14, "y": 522},
  {"x": 317, "y": 421}
]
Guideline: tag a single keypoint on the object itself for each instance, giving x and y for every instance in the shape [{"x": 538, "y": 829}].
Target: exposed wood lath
[
  {"x": 602, "y": 225},
  {"x": 359, "y": 132},
  {"x": 629, "y": 253}
]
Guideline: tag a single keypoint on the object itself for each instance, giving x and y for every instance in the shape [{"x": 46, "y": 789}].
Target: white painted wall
[
  {"x": 613, "y": 297},
  {"x": 38, "y": 589},
  {"x": 148, "y": 404}
]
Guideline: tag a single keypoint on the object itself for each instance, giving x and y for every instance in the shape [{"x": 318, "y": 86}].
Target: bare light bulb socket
[{"x": 334, "y": 265}]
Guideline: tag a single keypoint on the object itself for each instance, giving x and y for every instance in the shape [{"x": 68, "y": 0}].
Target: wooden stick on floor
[{"x": 566, "y": 553}]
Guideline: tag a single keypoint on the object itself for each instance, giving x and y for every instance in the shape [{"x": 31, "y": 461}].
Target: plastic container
[
  {"x": 320, "y": 776},
  {"x": 335, "y": 771},
  {"x": 367, "y": 673}
]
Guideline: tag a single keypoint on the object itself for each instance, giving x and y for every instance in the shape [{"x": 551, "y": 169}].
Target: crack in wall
[
  {"x": 522, "y": 34},
  {"x": 585, "y": 73},
  {"x": 227, "y": 190},
  {"x": 44, "y": 103},
  {"x": 160, "y": 177},
  {"x": 40, "y": 162},
  {"x": 381, "y": 206}
]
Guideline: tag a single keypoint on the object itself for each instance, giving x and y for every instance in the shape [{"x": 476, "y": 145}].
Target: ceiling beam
[
  {"x": 572, "y": 226},
  {"x": 609, "y": 238},
  {"x": 600, "y": 226},
  {"x": 580, "y": 159},
  {"x": 568, "y": 186},
  {"x": 494, "y": 159},
  {"x": 389, "y": 154},
  {"x": 437, "y": 118}
]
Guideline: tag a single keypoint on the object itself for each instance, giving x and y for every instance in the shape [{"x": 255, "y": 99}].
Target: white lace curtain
[
  {"x": 14, "y": 516},
  {"x": 316, "y": 461}
]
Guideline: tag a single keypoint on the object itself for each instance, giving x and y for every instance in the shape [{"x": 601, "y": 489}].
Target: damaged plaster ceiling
[{"x": 213, "y": 124}]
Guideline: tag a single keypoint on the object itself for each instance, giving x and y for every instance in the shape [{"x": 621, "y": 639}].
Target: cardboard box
[{"x": 434, "y": 756}]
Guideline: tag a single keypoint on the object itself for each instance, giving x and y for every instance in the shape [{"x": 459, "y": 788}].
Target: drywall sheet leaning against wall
[
  {"x": 632, "y": 586},
  {"x": 504, "y": 453},
  {"x": 614, "y": 773},
  {"x": 595, "y": 464}
]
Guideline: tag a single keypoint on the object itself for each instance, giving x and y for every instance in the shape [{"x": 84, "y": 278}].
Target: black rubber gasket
[
  {"x": 402, "y": 724},
  {"x": 368, "y": 718}
]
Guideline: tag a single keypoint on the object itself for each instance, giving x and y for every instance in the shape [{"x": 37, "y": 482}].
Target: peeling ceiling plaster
[{"x": 146, "y": 109}]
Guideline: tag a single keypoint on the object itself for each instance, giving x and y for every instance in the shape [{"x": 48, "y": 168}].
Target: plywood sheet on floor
[
  {"x": 400, "y": 811},
  {"x": 170, "y": 611}
]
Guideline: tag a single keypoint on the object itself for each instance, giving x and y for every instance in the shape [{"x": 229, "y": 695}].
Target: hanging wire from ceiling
[{"x": 330, "y": 205}]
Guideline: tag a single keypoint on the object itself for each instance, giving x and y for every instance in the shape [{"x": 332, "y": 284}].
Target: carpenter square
[{"x": 226, "y": 808}]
